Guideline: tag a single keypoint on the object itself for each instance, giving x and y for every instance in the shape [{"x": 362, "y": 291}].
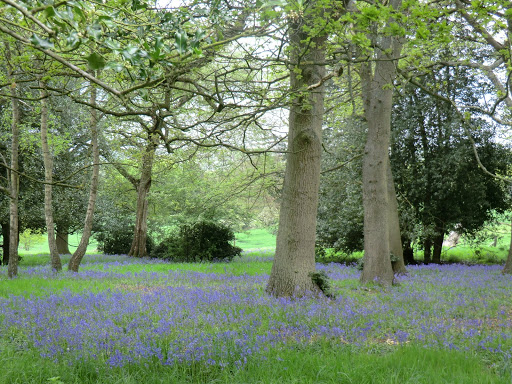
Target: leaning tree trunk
[
  {"x": 76, "y": 258},
  {"x": 508, "y": 265},
  {"x": 138, "y": 248},
  {"x": 395, "y": 238},
  {"x": 14, "y": 186},
  {"x": 61, "y": 239},
  {"x": 294, "y": 261},
  {"x": 48, "y": 179}
]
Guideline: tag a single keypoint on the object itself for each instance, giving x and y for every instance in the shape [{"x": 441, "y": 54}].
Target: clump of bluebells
[{"x": 218, "y": 319}]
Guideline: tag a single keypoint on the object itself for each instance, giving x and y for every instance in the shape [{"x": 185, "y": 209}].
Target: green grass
[
  {"x": 39, "y": 244},
  {"x": 317, "y": 363},
  {"x": 256, "y": 239}
]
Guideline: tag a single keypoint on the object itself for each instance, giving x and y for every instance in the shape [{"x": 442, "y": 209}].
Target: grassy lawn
[{"x": 124, "y": 320}]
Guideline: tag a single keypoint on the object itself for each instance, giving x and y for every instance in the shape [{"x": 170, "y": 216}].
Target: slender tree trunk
[
  {"x": 61, "y": 239},
  {"x": 48, "y": 178},
  {"x": 76, "y": 258},
  {"x": 294, "y": 260},
  {"x": 427, "y": 250},
  {"x": 438, "y": 245},
  {"x": 5, "y": 243},
  {"x": 395, "y": 238},
  {"x": 508, "y": 265},
  {"x": 12, "y": 269},
  {"x": 138, "y": 247}
]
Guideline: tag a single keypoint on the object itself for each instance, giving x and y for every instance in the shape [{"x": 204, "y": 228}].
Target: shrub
[
  {"x": 117, "y": 240},
  {"x": 202, "y": 241}
]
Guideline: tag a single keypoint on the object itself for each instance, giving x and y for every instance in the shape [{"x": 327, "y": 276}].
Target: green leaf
[
  {"x": 115, "y": 66},
  {"x": 95, "y": 61},
  {"x": 41, "y": 42},
  {"x": 107, "y": 20},
  {"x": 73, "y": 40},
  {"x": 181, "y": 42},
  {"x": 113, "y": 44},
  {"x": 95, "y": 31}
]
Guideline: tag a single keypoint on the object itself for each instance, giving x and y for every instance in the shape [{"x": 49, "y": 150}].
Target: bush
[
  {"x": 117, "y": 240},
  {"x": 203, "y": 241}
]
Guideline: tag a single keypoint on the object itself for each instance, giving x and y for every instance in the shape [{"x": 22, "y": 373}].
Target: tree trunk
[
  {"x": 76, "y": 258},
  {"x": 408, "y": 252},
  {"x": 62, "y": 240},
  {"x": 395, "y": 238},
  {"x": 5, "y": 243},
  {"x": 48, "y": 178},
  {"x": 14, "y": 186},
  {"x": 138, "y": 247},
  {"x": 294, "y": 261},
  {"x": 427, "y": 251},
  {"x": 508, "y": 265},
  {"x": 438, "y": 245},
  {"x": 376, "y": 81}
]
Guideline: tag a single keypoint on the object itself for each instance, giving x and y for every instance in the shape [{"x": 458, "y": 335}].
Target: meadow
[{"x": 124, "y": 320}]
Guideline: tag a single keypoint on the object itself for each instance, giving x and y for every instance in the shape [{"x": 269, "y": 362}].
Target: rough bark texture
[
  {"x": 74, "y": 262},
  {"x": 138, "y": 247},
  {"x": 48, "y": 178},
  {"x": 378, "y": 99},
  {"x": 62, "y": 241},
  {"x": 295, "y": 249},
  {"x": 438, "y": 246},
  {"x": 14, "y": 187},
  {"x": 395, "y": 238},
  {"x": 508, "y": 265},
  {"x": 5, "y": 243}
]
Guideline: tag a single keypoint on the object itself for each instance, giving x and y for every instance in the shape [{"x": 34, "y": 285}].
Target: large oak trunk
[
  {"x": 294, "y": 260},
  {"x": 62, "y": 240},
  {"x": 48, "y": 178},
  {"x": 379, "y": 223},
  {"x": 74, "y": 262},
  {"x": 138, "y": 247}
]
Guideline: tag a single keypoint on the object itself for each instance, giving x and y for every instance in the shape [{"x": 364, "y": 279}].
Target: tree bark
[
  {"x": 508, "y": 265},
  {"x": 438, "y": 245},
  {"x": 294, "y": 261},
  {"x": 14, "y": 186},
  {"x": 427, "y": 250},
  {"x": 377, "y": 101},
  {"x": 395, "y": 238},
  {"x": 5, "y": 243},
  {"x": 76, "y": 258},
  {"x": 408, "y": 252},
  {"x": 48, "y": 178},
  {"x": 61, "y": 239},
  {"x": 138, "y": 247}
]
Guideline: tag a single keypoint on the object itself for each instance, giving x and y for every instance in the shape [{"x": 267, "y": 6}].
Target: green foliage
[
  {"x": 321, "y": 280},
  {"x": 202, "y": 241}
]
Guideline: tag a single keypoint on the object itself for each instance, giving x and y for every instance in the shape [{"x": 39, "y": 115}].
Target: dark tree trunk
[
  {"x": 508, "y": 265},
  {"x": 294, "y": 260},
  {"x": 427, "y": 250},
  {"x": 5, "y": 243},
  {"x": 395, "y": 238},
  {"x": 438, "y": 246},
  {"x": 62, "y": 240},
  {"x": 14, "y": 187},
  {"x": 408, "y": 253},
  {"x": 138, "y": 247},
  {"x": 48, "y": 178},
  {"x": 76, "y": 258}
]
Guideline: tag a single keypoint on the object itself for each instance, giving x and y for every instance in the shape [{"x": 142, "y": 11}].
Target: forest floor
[{"x": 125, "y": 320}]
